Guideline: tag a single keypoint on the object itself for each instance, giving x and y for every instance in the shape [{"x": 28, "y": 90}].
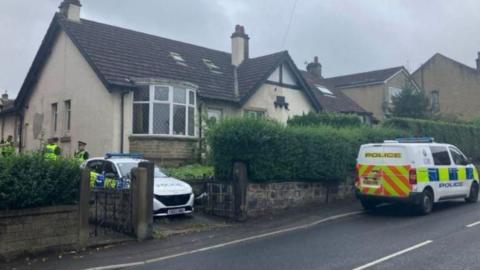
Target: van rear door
[{"x": 383, "y": 170}]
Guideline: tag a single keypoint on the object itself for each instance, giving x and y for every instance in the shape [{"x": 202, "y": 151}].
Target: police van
[{"x": 417, "y": 171}]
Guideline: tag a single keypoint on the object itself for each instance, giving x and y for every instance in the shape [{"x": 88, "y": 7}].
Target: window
[
  {"x": 458, "y": 157},
  {"x": 164, "y": 110},
  {"x": 110, "y": 168},
  {"x": 213, "y": 68},
  {"x": 440, "y": 156},
  {"x": 96, "y": 166},
  {"x": 393, "y": 92},
  {"x": 214, "y": 115},
  {"x": 54, "y": 116},
  {"x": 68, "y": 114},
  {"x": 178, "y": 58},
  {"x": 324, "y": 90},
  {"x": 254, "y": 114}
]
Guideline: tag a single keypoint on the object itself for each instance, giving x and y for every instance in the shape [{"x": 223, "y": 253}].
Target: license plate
[
  {"x": 370, "y": 181},
  {"x": 176, "y": 211}
]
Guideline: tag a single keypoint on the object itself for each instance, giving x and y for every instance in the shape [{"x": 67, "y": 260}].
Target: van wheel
[
  {"x": 426, "y": 203},
  {"x": 473, "y": 196},
  {"x": 368, "y": 205}
]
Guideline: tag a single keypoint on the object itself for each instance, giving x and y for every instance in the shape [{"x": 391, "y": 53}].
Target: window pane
[
  {"x": 161, "y": 118},
  {"x": 179, "y": 119},
  {"x": 440, "y": 155},
  {"x": 191, "y": 97},
  {"x": 140, "y": 118},
  {"x": 142, "y": 93},
  {"x": 161, "y": 93},
  {"x": 179, "y": 95},
  {"x": 458, "y": 158},
  {"x": 254, "y": 114},
  {"x": 191, "y": 121}
]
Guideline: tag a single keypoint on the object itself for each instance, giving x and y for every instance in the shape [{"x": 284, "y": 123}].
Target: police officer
[
  {"x": 8, "y": 148},
  {"x": 52, "y": 151},
  {"x": 81, "y": 154}
]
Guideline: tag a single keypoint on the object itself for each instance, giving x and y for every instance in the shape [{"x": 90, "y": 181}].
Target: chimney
[
  {"x": 239, "y": 45},
  {"x": 315, "y": 68},
  {"x": 478, "y": 62},
  {"x": 71, "y": 9},
  {"x": 5, "y": 96}
]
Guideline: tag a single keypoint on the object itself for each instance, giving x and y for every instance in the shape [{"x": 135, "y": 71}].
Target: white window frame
[
  {"x": 54, "y": 117},
  {"x": 68, "y": 114},
  {"x": 391, "y": 93},
  {"x": 171, "y": 104}
]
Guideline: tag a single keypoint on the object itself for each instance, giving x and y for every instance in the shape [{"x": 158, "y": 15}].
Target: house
[
  {"x": 453, "y": 87},
  {"x": 372, "y": 90},
  {"x": 125, "y": 91},
  {"x": 8, "y": 118}
]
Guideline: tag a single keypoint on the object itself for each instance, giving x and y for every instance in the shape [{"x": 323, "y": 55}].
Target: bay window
[{"x": 164, "y": 110}]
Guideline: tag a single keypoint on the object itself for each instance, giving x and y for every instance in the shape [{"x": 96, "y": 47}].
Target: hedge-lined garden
[
  {"x": 464, "y": 136},
  {"x": 276, "y": 152},
  {"x": 28, "y": 181}
]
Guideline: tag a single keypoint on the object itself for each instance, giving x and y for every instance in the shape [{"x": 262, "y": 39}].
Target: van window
[
  {"x": 440, "y": 155},
  {"x": 458, "y": 157}
]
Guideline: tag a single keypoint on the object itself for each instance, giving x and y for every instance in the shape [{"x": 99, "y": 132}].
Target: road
[{"x": 391, "y": 237}]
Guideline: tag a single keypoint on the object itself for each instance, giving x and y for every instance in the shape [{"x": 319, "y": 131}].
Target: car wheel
[
  {"x": 426, "y": 203},
  {"x": 473, "y": 196},
  {"x": 368, "y": 205}
]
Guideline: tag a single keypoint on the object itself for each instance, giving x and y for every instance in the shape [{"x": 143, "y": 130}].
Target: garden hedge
[
  {"x": 28, "y": 181},
  {"x": 274, "y": 152},
  {"x": 466, "y": 137},
  {"x": 324, "y": 118}
]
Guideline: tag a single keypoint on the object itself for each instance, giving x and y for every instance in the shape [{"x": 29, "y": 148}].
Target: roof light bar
[
  {"x": 124, "y": 155},
  {"x": 415, "y": 140}
]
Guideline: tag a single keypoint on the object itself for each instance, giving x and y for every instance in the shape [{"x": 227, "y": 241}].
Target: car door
[
  {"x": 442, "y": 162},
  {"x": 464, "y": 175}
]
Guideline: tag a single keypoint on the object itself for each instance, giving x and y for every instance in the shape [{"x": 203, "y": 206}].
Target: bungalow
[{"x": 122, "y": 90}]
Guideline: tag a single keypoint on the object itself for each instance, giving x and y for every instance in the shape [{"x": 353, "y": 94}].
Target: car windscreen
[{"x": 126, "y": 167}]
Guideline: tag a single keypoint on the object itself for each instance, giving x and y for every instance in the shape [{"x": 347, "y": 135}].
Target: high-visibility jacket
[
  {"x": 50, "y": 152},
  {"x": 80, "y": 155},
  {"x": 8, "y": 149}
]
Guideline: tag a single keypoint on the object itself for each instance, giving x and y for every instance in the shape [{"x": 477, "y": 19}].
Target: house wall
[
  {"x": 458, "y": 86},
  {"x": 95, "y": 111},
  {"x": 266, "y": 95},
  {"x": 8, "y": 125},
  {"x": 373, "y": 98}
]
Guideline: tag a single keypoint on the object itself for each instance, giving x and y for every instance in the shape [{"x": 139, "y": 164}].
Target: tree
[{"x": 411, "y": 103}]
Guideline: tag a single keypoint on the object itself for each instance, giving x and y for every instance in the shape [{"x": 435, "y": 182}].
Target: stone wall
[
  {"x": 276, "y": 196},
  {"x": 37, "y": 230},
  {"x": 165, "y": 150}
]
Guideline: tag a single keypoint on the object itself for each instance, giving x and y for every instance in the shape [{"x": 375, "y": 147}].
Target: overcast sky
[{"x": 348, "y": 35}]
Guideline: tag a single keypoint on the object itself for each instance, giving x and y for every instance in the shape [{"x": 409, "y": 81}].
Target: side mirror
[{"x": 110, "y": 175}]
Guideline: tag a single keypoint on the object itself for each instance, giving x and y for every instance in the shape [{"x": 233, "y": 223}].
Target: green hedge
[
  {"x": 275, "y": 152},
  {"x": 190, "y": 172},
  {"x": 330, "y": 119},
  {"x": 28, "y": 181},
  {"x": 464, "y": 136}
]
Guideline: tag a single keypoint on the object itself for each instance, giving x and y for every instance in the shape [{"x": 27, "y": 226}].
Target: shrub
[
  {"x": 28, "y": 181},
  {"x": 464, "y": 136},
  {"x": 330, "y": 119},
  {"x": 275, "y": 152},
  {"x": 190, "y": 172}
]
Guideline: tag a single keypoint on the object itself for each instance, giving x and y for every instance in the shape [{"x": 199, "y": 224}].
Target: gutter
[{"x": 122, "y": 120}]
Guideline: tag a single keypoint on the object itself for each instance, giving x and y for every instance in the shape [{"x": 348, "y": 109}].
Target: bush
[
  {"x": 275, "y": 152},
  {"x": 330, "y": 119},
  {"x": 464, "y": 136},
  {"x": 28, "y": 181},
  {"x": 190, "y": 172}
]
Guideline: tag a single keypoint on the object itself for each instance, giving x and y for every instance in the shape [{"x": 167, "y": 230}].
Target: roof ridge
[
  {"x": 147, "y": 34},
  {"x": 446, "y": 57},
  {"x": 366, "y": 72}
]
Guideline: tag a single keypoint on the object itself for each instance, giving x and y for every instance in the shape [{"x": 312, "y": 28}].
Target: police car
[
  {"x": 417, "y": 171},
  {"x": 171, "y": 196}
]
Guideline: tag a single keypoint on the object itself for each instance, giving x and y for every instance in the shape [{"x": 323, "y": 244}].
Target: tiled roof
[
  {"x": 119, "y": 54},
  {"x": 364, "y": 78},
  {"x": 339, "y": 102}
]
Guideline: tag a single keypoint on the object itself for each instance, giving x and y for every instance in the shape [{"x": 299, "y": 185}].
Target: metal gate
[{"x": 111, "y": 212}]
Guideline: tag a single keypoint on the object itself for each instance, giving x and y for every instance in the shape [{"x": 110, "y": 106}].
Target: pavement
[{"x": 339, "y": 236}]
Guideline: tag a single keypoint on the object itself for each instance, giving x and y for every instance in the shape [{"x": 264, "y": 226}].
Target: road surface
[{"x": 391, "y": 237}]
